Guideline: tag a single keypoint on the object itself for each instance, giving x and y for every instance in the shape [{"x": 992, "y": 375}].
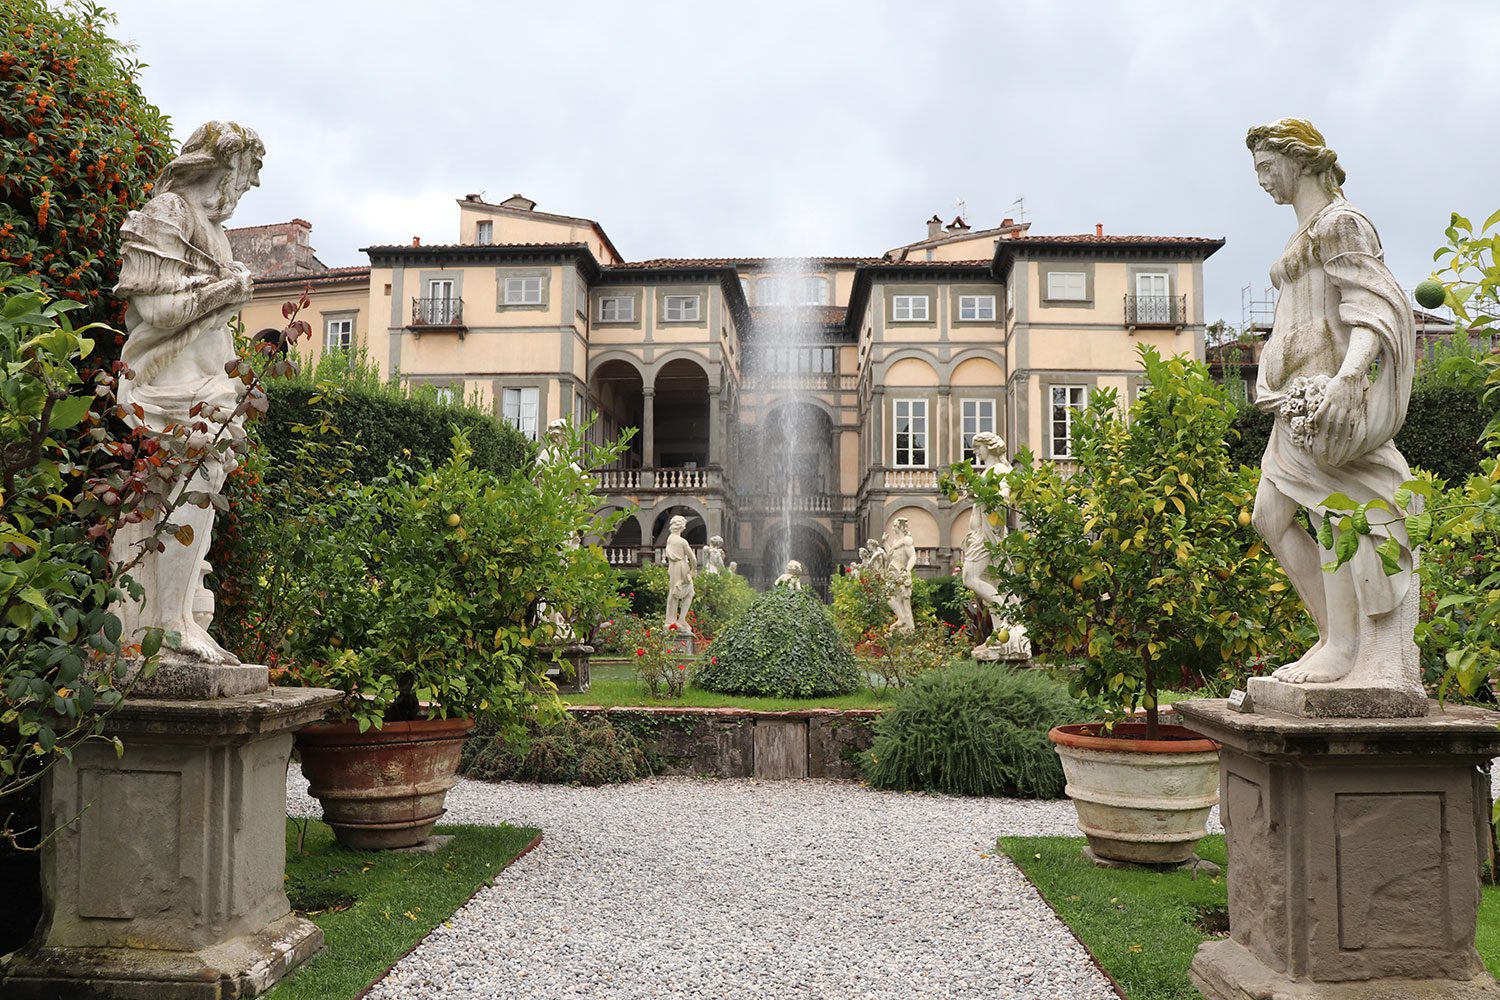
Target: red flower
[
  {"x": 682, "y": 666},
  {"x": 673, "y": 626},
  {"x": 714, "y": 660},
  {"x": 639, "y": 651}
]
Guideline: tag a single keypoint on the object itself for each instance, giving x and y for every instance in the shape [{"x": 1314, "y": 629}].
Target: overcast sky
[{"x": 804, "y": 128}]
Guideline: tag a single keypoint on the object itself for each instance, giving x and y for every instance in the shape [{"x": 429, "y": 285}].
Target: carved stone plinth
[
  {"x": 1338, "y": 700},
  {"x": 1354, "y": 854},
  {"x": 164, "y": 879}
]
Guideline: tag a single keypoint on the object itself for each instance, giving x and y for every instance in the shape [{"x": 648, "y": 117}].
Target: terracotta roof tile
[
  {"x": 393, "y": 247},
  {"x": 1110, "y": 238},
  {"x": 736, "y": 261},
  {"x": 325, "y": 276}
]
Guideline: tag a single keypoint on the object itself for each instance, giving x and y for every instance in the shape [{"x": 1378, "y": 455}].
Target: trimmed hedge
[
  {"x": 573, "y": 752},
  {"x": 387, "y": 425},
  {"x": 972, "y": 729},
  {"x": 1441, "y": 434},
  {"x": 784, "y": 646}
]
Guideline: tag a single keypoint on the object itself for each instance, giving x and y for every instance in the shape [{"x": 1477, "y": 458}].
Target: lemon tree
[{"x": 1142, "y": 563}]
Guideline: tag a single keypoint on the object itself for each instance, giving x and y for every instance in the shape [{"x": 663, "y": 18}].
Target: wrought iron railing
[
  {"x": 1155, "y": 310},
  {"x": 437, "y": 312}
]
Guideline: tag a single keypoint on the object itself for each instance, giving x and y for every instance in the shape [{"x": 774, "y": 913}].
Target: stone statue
[
  {"x": 681, "y": 565},
  {"x": 900, "y": 555},
  {"x": 183, "y": 286},
  {"x": 553, "y": 452},
  {"x": 1337, "y": 372},
  {"x": 985, "y": 529},
  {"x": 713, "y": 555},
  {"x": 792, "y": 577}
]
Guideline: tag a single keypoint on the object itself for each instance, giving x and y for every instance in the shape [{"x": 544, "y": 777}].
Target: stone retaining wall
[{"x": 740, "y": 743}]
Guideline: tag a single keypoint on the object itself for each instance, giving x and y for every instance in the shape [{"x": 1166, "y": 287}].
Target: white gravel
[{"x": 683, "y": 888}]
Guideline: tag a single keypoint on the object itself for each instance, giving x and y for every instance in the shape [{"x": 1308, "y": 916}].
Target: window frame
[
  {"x": 484, "y": 233},
  {"x": 616, "y": 300},
  {"x": 697, "y": 310},
  {"x": 917, "y": 439},
  {"x": 1056, "y": 294},
  {"x": 328, "y": 323},
  {"x": 980, "y": 424},
  {"x": 524, "y": 281},
  {"x": 977, "y": 300},
  {"x": 520, "y": 421},
  {"x": 908, "y": 300},
  {"x": 1069, "y": 410}
]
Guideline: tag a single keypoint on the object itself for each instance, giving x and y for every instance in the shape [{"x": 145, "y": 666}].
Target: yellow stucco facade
[{"x": 871, "y": 373}]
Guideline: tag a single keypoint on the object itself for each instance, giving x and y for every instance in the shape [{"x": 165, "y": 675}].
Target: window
[
  {"x": 975, "y": 416},
  {"x": 680, "y": 309},
  {"x": 1151, "y": 285},
  {"x": 338, "y": 334},
  {"x": 909, "y": 308},
  {"x": 1067, "y": 285},
  {"x": 1010, "y": 298},
  {"x": 975, "y": 308},
  {"x": 616, "y": 309},
  {"x": 1067, "y": 400},
  {"x": 911, "y": 432},
  {"x": 444, "y": 394},
  {"x": 797, "y": 360},
  {"x": 813, "y": 292},
  {"x": 521, "y": 409},
  {"x": 771, "y": 292},
  {"x": 523, "y": 291},
  {"x": 484, "y": 233},
  {"x": 442, "y": 306},
  {"x": 581, "y": 300}
]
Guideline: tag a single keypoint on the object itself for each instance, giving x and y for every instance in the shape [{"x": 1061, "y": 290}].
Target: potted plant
[
  {"x": 423, "y": 609},
  {"x": 1142, "y": 567}
]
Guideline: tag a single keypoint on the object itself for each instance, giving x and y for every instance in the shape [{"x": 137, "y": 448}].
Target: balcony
[
  {"x": 1155, "y": 311},
  {"x": 437, "y": 314},
  {"x": 663, "y": 479},
  {"x": 810, "y": 503},
  {"x": 908, "y": 479}
]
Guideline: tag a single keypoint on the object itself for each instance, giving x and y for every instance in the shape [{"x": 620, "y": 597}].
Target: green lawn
[
  {"x": 614, "y": 683},
  {"x": 374, "y": 906},
  {"x": 1143, "y": 927}
]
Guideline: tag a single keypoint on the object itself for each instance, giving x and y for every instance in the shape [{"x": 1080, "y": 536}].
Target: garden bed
[
  {"x": 613, "y": 682},
  {"x": 1142, "y": 927},
  {"x": 728, "y": 742}
]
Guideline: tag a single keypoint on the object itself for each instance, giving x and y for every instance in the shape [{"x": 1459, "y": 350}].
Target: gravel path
[{"x": 686, "y": 888}]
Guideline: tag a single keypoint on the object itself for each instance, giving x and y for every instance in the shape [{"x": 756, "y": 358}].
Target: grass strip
[
  {"x": 613, "y": 684},
  {"x": 375, "y": 906},
  {"x": 1143, "y": 928}
]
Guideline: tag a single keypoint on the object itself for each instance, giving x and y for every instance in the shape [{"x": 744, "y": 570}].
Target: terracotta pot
[
  {"x": 384, "y": 787},
  {"x": 1138, "y": 800}
]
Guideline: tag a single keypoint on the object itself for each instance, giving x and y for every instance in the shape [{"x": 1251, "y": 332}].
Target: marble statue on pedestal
[
  {"x": 184, "y": 286},
  {"x": 1336, "y": 372},
  {"x": 792, "y": 576},
  {"x": 713, "y": 555},
  {"x": 900, "y": 553},
  {"x": 681, "y": 565},
  {"x": 552, "y": 452},
  {"x": 1008, "y": 640}
]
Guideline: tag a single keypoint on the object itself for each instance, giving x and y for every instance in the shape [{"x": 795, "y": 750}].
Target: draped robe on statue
[{"x": 1331, "y": 279}]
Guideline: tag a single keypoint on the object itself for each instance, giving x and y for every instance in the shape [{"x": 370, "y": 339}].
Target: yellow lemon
[{"x": 454, "y": 520}]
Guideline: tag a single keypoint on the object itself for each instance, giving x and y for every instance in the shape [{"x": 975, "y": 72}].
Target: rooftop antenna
[
  {"x": 1018, "y": 208},
  {"x": 963, "y": 209}
]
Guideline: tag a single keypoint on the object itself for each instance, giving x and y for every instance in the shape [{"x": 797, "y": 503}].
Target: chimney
[
  {"x": 416, "y": 241},
  {"x": 934, "y": 228},
  {"x": 1007, "y": 222},
  {"x": 958, "y": 225},
  {"x": 1098, "y": 229}
]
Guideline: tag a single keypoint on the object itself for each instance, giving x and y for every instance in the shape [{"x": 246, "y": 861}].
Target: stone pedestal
[
  {"x": 164, "y": 878},
  {"x": 1354, "y": 854}
]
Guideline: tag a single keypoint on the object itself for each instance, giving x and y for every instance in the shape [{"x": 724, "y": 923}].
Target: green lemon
[{"x": 1430, "y": 294}]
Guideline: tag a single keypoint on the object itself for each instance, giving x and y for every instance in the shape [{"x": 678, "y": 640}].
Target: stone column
[
  {"x": 715, "y": 428},
  {"x": 943, "y": 437},
  {"x": 1354, "y": 854},
  {"x": 877, "y": 425},
  {"x": 648, "y": 426}
]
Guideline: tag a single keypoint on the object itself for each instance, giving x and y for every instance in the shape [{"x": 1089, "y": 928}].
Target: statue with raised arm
[
  {"x": 183, "y": 287},
  {"x": 900, "y": 555},
  {"x": 1008, "y": 640},
  {"x": 681, "y": 565},
  {"x": 1336, "y": 372},
  {"x": 713, "y": 555}
]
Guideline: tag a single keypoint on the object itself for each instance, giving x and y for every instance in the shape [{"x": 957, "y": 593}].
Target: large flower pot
[
  {"x": 1139, "y": 800},
  {"x": 384, "y": 787}
]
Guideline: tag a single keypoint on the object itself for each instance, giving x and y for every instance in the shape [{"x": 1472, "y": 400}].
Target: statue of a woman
[
  {"x": 985, "y": 529},
  {"x": 1337, "y": 374},
  {"x": 183, "y": 286},
  {"x": 713, "y": 555},
  {"x": 681, "y": 565},
  {"x": 900, "y": 560}
]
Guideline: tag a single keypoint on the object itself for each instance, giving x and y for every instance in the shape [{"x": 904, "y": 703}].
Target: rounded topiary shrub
[
  {"x": 784, "y": 646},
  {"x": 972, "y": 729}
]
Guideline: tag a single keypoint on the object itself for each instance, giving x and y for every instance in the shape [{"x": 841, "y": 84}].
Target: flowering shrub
[
  {"x": 897, "y": 658},
  {"x": 660, "y": 663}
]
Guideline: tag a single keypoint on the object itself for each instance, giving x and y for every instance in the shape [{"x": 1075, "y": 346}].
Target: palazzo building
[{"x": 791, "y": 406}]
